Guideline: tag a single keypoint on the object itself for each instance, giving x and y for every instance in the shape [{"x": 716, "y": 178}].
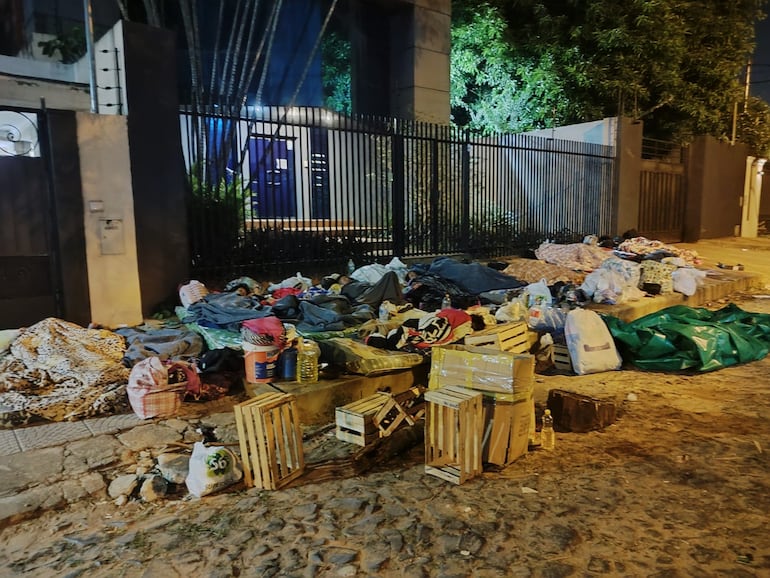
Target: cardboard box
[
  {"x": 510, "y": 376},
  {"x": 508, "y": 428}
]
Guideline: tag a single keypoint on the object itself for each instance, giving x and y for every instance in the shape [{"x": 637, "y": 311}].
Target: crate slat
[
  {"x": 453, "y": 424},
  {"x": 511, "y": 337},
  {"x": 355, "y": 421},
  {"x": 270, "y": 440}
]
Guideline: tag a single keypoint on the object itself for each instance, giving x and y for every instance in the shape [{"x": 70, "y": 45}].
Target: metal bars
[{"x": 279, "y": 189}]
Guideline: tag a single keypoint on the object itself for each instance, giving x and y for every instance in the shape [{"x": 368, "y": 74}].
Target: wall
[
  {"x": 108, "y": 217},
  {"x": 157, "y": 173},
  {"x": 716, "y": 177},
  {"x": 400, "y": 54},
  {"x": 602, "y": 132}
]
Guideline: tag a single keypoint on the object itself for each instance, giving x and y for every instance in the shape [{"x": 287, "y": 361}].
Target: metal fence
[{"x": 285, "y": 189}]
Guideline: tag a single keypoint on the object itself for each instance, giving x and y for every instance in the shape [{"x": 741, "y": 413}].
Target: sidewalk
[{"x": 47, "y": 466}]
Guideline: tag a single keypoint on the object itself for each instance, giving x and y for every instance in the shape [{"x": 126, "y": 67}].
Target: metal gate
[
  {"x": 662, "y": 191},
  {"x": 27, "y": 264}
]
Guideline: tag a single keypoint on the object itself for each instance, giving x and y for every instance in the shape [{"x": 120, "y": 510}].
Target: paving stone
[
  {"x": 29, "y": 468},
  {"x": 149, "y": 436},
  {"x": 8, "y": 443},
  {"x": 52, "y": 434},
  {"x": 96, "y": 452},
  {"x": 113, "y": 423},
  {"x": 27, "y": 502}
]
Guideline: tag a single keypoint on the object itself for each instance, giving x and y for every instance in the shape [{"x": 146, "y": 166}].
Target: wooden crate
[
  {"x": 270, "y": 439},
  {"x": 561, "y": 357},
  {"x": 403, "y": 408},
  {"x": 511, "y": 337},
  {"x": 454, "y": 426},
  {"x": 355, "y": 421}
]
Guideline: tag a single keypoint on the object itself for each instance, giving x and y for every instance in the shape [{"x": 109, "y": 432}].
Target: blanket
[{"x": 59, "y": 371}]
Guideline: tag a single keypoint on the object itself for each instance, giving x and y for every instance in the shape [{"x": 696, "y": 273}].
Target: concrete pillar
[
  {"x": 629, "y": 166},
  {"x": 400, "y": 59},
  {"x": 420, "y": 62}
]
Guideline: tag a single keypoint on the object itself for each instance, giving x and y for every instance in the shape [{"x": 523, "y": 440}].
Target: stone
[
  {"x": 173, "y": 467},
  {"x": 26, "y": 502},
  {"x": 176, "y": 424},
  {"x": 96, "y": 452},
  {"x": 153, "y": 488},
  {"x": 149, "y": 436},
  {"x": 122, "y": 486},
  {"x": 28, "y": 468},
  {"x": 340, "y": 556}
]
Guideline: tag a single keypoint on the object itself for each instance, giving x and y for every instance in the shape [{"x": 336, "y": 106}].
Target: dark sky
[{"x": 760, "y": 70}]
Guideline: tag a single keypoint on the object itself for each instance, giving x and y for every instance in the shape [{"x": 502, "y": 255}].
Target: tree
[{"x": 675, "y": 64}]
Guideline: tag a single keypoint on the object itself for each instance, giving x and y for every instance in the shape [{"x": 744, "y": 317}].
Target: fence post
[
  {"x": 399, "y": 219},
  {"x": 465, "y": 216},
  {"x": 434, "y": 204}
]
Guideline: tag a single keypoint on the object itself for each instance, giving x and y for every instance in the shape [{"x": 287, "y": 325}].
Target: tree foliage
[{"x": 676, "y": 64}]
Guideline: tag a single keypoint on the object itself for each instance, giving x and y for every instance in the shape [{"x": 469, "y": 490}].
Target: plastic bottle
[
  {"x": 547, "y": 435},
  {"x": 288, "y": 363},
  {"x": 308, "y": 353},
  {"x": 351, "y": 266},
  {"x": 384, "y": 313},
  {"x": 446, "y": 302}
]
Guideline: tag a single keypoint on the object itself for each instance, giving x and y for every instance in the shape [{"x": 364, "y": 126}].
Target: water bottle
[
  {"x": 446, "y": 302},
  {"x": 351, "y": 266},
  {"x": 384, "y": 313},
  {"x": 547, "y": 435},
  {"x": 308, "y": 353}
]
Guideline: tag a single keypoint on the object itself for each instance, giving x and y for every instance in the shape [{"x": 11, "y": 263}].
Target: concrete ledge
[
  {"x": 717, "y": 285},
  {"x": 317, "y": 402}
]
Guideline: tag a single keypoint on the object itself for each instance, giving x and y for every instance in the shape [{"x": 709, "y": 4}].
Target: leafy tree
[
  {"x": 676, "y": 64},
  {"x": 335, "y": 71}
]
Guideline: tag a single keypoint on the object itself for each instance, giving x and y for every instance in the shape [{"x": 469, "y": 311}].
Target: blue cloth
[
  {"x": 473, "y": 278},
  {"x": 225, "y": 311}
]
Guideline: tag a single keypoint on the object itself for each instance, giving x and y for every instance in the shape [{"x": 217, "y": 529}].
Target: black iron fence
[{"x": 292, "y": 188}]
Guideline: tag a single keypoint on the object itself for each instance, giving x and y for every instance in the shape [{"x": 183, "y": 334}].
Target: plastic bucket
[{"x": 261, "y": 362}]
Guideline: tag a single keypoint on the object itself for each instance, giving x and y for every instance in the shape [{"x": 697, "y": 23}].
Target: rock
[
  {"x": 32, "y": 467},
  {"x": 174, "y": 467},
  {"x": 149, "y": 436},
  {"x": 340, "y": 556},
  {"x": 153, "y": 488},
  {"x": 95, "y": 452},
  {"x": 346, "y": 504},
  {"x": 122, "y": 486},
  {"x": 176, "y": 424},
  {"x": 472, "y": 542}
]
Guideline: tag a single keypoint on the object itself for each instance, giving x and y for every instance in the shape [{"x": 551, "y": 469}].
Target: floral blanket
[{"x": 58, "y": 371}]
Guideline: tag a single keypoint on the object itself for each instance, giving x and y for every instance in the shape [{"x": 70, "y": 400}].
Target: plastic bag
[
  {"x": 687, "y": 281},
  {"x": 539, "y": 294},
  {"x": 590, "y": 344},
  {"x": 192, "y": 292},
  {"x": 211, "y": 469}
]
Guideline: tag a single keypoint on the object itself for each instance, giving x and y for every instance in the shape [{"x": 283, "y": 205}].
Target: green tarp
[{"x": 681, "y": 337}]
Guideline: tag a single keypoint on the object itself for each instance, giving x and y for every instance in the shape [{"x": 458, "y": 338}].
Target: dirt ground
[{"x": 679, "y": 486}]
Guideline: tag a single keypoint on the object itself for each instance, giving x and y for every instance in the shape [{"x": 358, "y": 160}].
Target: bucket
[{"x": 260, "y": 362}]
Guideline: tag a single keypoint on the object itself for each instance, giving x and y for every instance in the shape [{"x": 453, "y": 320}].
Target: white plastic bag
[
  {"x": 192, "y": 292},
  {"x": 687, "y": 280},
  {"x": 590, "y": 344},
  {"x": 211, "y": 469}
]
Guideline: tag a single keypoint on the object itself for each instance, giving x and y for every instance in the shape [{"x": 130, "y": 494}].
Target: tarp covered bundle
[{"x": 689, "y": 338}]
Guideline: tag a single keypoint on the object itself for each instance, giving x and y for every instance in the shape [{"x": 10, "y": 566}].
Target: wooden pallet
[
  {"x": 511, "y": 337},
  {"x": 403, "y": 408},
  {"x": 270, "y": 439},
  {"x": 453, "y": 430},
  {"x": 355, "y": 421}
]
